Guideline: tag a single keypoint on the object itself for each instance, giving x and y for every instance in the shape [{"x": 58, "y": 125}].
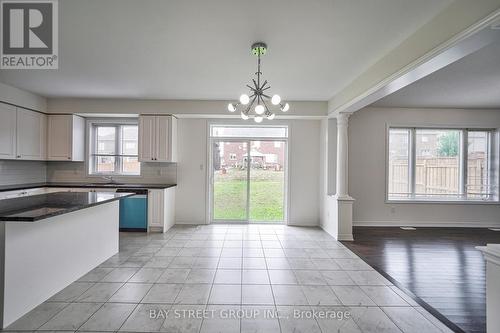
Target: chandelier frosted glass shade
[
  {"x": 257, "y": 103},
  {"x": 244, "y": 99}
]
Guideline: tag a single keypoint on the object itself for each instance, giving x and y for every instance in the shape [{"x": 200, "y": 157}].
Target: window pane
[
  {"x": 107, "y": 156},
  {"x": 106, "y": 140},
  {"x": 249, "y": 132},
  {"x": 131, "y": 165},
  {"x": 437, "y": 169},
  {"x": 129, "y": 140},
  {"x": 229, "y": 167},
  {"x": 477, "y": 165},
  {"x": 105, "y": 164},
  {"x": 399, "y": 171}
]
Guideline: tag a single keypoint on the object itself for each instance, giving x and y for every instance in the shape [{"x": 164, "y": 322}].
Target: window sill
[
  {"x": 442, "y": 201},
  {"x": 112, "y": 175}
]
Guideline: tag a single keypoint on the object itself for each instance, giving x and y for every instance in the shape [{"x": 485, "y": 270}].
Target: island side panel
[{"x": 41, "y": 258}]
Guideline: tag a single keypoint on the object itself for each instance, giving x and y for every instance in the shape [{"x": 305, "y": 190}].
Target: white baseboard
[
  {"x": 304, "y": 223},
  {"x": 190, "y": 222},
  {"x": 345, "y": 237},
  {"x": 341, "y": 237},
  {"x": 438, "y": 224}
]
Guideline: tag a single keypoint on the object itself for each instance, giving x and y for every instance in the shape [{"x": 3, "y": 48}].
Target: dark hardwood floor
[{"x": 440, "y": 266}]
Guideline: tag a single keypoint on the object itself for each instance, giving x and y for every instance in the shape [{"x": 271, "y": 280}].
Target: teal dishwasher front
[{"x": 134, "y": 210}]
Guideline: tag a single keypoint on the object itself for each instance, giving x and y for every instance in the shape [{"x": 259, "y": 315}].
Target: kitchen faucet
[{"x": 109, "y": 179}]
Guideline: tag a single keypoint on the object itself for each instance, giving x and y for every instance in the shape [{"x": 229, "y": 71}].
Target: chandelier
[{"x": 258, "y": 95}]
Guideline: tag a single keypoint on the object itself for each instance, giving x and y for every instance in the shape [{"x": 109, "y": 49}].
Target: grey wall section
[
  {"x": 190, "y": 194},
  {"x": 25, "y": 172},
  {"x": 367, "y": 163},
  {"x": 304, "y": 169},
  {"x": 151, "y": 173},
  {"x": 22, "y": 172}
]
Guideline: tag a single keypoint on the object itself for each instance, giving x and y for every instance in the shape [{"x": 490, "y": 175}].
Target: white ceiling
[
  {"x": 187, "y": 49},
  {"x": 472, "y": 82}
]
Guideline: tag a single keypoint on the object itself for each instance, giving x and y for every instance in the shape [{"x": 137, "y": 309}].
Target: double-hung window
[
  {"x": 449, "y": 164},
  {"x": 113, "y": 148}
]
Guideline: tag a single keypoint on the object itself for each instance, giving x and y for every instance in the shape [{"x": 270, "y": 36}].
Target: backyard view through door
[{"x": 248, "y": 174}]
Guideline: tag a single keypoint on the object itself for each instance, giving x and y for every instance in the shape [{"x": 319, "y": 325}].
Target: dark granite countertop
[
  {"x": 85, "y": 185},
  {"x": 38, "y": 207}
]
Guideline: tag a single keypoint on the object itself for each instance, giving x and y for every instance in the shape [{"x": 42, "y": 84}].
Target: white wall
[
  {"x": 328, "y": 170},
  {"x": 304, "y": 167},
  {"x": 191, "y": 171},
  {"x": 367, "y": 163},
  {"x": 204, "y": 108},
  {"x": 12, "y": 95}
]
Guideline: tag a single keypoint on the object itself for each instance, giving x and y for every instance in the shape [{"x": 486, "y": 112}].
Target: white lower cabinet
[{"x": 161, "y": 209}]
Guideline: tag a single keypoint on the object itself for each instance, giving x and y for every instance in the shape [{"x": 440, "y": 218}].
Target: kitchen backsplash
[
  {"x": 25, "y": 172},
  {"x": 151, "y": 173},
  {"x": 22, "y": 172}
]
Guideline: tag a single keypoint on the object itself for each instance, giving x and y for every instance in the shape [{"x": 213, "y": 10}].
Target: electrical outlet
[
  {"x": 393, "y": 210},
  {"x": 201, "y": 167}
]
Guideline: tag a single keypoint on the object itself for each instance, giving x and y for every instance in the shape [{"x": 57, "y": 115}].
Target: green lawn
[{"x": 266, "y": 195}]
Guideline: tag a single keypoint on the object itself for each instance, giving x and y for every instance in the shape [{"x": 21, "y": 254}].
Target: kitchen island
[{"x": 48, "y": 241}]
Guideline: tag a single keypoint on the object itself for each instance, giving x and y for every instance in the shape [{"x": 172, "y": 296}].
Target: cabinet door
[
  {"x": 31, "y": 138},
  {"x": 169, "y": 212},
  {"x": 147, "y": 131},
  {"x": 155, "y": 208},
  {"x": 163, "y": 152},
  {"x": 7, "y": 131},
  {"x": 60, "y": 143}
]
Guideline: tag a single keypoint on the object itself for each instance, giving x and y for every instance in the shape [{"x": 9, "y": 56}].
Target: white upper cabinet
[
  {"x": 23, "y": 133},
  {"x": 7, "y": 131},
  {"x": 66, "y": 138},
  {"x": 157, "y": 138},
  {"x": 147, "y": 130},
  {"x": 31, "y": 135}
]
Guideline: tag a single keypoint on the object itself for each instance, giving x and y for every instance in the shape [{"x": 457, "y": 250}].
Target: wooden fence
[{"x": 438, "y": 176}]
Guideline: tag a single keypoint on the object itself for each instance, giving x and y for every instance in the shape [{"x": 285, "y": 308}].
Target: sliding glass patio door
[
  {"x": 266, "y": 181},
  {"x": 229, "y": 181},
  {"x": 248, "y": 180}
]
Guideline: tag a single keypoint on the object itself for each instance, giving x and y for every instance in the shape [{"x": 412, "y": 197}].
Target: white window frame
[
  {"x": 92, "y": 125},
  {"x": 211, "y": 139},
  {"x": 493, "y": 166}
]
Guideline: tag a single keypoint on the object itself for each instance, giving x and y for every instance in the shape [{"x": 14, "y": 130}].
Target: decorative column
[
  {"x": 341, "y": 204},
  {"x": 342, "y": 156}
]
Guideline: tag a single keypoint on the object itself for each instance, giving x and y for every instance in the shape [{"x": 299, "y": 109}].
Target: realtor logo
[{"x": 29, "y": 34}]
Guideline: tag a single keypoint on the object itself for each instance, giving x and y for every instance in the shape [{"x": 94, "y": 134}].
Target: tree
[{"x": 448, "y": 144}]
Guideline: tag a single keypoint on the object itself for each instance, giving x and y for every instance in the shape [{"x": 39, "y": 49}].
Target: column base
[{"x": 340, "y": 218}]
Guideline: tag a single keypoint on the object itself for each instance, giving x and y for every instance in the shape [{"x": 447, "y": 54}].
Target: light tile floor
[{"x": 231, "y": 278}]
